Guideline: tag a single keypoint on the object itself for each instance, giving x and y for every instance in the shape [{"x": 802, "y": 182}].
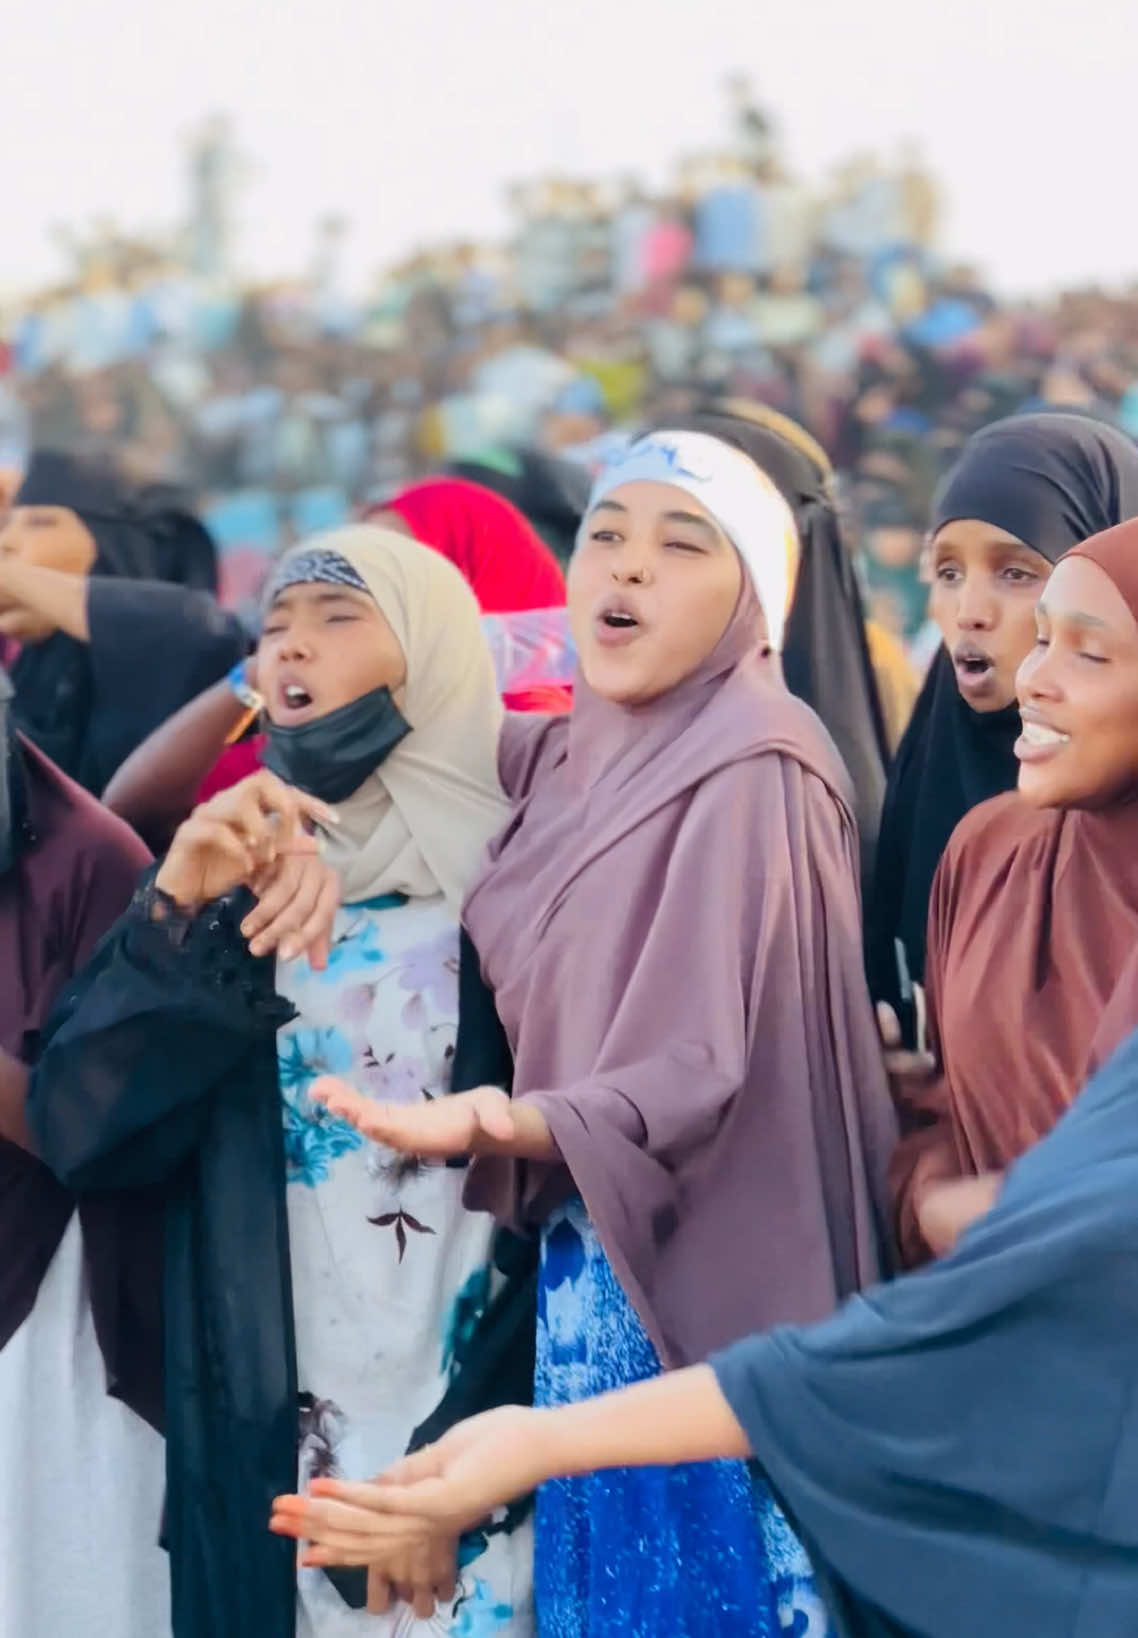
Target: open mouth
[
  {"x": 1038, "y": 741},
  {"x": 1038, "y": 733},
  {"x": 617, "y": 623},
  {"x": 293, "y": 697},
  {"x": 974, "y": 669}
]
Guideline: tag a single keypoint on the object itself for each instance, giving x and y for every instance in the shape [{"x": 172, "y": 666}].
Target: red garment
[
  {"x": 234, "y": 764},
  {"x": 507, "y": 564},
  {"x": 505, "y": 561}
]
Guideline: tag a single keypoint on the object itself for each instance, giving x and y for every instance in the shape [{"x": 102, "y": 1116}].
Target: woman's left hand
[
  {"x": 443, "y": 1129},
  {"x": 297, "y": 900},
  {"x": 951, "y": 1207},
  {"x": 408, "y": 1559}
]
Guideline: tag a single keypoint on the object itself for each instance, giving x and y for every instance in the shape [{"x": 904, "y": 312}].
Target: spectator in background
[{"x": 97, "y": 590}]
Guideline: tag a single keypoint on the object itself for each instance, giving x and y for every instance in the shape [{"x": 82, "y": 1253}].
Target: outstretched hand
[
  {"x": 466, "y": 1123},
  {"x": 454, "y": 1484}
]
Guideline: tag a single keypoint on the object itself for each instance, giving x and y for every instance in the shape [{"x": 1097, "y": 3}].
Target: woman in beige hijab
[{"x": 308, "y": 1266}]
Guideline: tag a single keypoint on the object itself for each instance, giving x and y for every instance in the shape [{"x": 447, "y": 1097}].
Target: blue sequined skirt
[{"x": 698, "y": 1551}]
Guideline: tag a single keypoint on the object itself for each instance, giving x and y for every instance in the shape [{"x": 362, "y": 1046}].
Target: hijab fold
[{"x": 825, "y": 650}]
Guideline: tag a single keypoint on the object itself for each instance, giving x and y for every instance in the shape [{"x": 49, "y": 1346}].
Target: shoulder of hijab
[
  {"x": 528, "y": 744},
  {"x": 62, "y": 815},
  {"x": 992, "y": 833}
]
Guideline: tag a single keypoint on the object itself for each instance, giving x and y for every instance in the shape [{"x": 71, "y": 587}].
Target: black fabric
[
  {"x": 331, "y": 756},
  {"x": 825, "y": 654},
  {"x": 158, "y": 1068},
  {"x": 11, "y": 782},
  {"x": 153, "y": 648},
  {"x": 141, "y": 531},
  {"x": 551, "y": 492},
  {"x": 959, "y": 1450},
  {"x": 1050, "y": 480},
  {"x": 157, "y": 637}
]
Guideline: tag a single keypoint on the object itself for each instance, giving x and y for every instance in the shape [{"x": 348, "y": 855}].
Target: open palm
[{"x": 441, "y": 1129}]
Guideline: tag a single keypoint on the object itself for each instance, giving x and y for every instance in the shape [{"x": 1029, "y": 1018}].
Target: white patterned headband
[{"x": 735, "y": 492}]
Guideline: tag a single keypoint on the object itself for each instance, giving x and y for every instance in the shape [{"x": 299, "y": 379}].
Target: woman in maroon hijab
[
  {"x": 1034, "y": 908},
  {"x": 81, "y": 1473},
  {"x": 670, "y": 928}
]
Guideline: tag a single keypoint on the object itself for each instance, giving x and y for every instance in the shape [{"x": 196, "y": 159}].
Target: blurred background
[{"x": 296, "y": 254}]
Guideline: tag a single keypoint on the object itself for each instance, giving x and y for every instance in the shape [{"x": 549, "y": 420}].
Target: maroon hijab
[
  {"x": 75, "y": 869},
  {"x": 670, "y": 927}
]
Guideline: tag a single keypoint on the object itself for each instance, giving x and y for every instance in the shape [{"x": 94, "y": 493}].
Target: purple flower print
[
  {"x": 431, "y": 970},
  {"x": 392, "y": 1079}
]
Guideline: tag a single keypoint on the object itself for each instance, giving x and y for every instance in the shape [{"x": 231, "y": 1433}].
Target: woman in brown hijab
[{"x": 1034, "y": 909}]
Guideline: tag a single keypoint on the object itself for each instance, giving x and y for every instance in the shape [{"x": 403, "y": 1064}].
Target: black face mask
[{"x": 331, "y": 756}]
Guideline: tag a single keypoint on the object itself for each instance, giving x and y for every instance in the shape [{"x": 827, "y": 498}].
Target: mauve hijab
[
  {"x": 670, "y": 928},
  {"x": 1033, "y": 917}
]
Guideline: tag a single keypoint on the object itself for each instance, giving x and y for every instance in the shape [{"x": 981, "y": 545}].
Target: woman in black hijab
[
  {"x": 1025, "y": 491},
  {"x": 107, "y": 588},
  {"x": 549, "y": 491},
  {"x": 825, "y": 657}
]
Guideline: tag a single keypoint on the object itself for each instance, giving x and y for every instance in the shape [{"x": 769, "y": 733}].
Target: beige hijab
[{"x": 420, "y": 823}]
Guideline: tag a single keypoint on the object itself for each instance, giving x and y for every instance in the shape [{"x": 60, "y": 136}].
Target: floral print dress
[{"x": 387, "y": 1265}]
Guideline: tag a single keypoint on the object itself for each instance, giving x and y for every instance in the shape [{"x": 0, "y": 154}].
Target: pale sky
[{"x": 410, "y": 116}]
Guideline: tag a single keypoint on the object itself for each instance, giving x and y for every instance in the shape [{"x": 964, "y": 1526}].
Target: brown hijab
[
  {"x": 670, "y": 927},
  {"x": 1033, "y": 917}
]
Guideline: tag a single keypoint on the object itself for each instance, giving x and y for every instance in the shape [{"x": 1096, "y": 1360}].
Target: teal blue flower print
[
  {"x": 481, "y": 1615},
  {"x": 312, "y": 1137},
  {"x": 303, "y": 1055},
  {"x": 356, "y": 949},
  {"x": 462, "y": 1320}
]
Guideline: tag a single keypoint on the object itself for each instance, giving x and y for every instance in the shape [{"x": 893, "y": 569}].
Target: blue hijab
[{"x": 959, "y": 1450}]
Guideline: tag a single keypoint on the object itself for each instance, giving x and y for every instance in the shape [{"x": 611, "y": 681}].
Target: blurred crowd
[{"x": 289, "y": 405}]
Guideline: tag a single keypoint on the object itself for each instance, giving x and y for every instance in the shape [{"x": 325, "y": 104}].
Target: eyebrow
[
  {"x": 692, "y": 518},
  {"x": 326, "y": 594},
  {"x": 1074, "y": 617}
]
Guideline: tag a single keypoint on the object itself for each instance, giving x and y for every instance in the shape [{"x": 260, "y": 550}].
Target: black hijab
[
  {"x": 550, "y": 492},
  {"x": 1052, "y": 480},
  {"x": 825, "y": 654},
  {"x": 141, "y": 532},
  {"x": 157, "y": 635}
]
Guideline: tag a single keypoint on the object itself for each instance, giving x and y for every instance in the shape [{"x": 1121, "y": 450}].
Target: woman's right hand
[{"x": 236, "y": 837}]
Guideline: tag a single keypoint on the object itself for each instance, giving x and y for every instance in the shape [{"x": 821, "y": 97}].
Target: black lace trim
[{"x": 209, "y": 943}]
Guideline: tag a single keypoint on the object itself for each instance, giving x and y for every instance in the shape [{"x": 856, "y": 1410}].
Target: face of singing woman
[
  {"x": 652, "y": 585},
  {"x": 322, "y": 647},
  {"x": 985, "y": 585},
  {"x": 1078, "y": 694}
]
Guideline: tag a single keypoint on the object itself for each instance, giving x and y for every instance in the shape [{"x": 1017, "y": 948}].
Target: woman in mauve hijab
[{"x": 669, "y": 924}]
